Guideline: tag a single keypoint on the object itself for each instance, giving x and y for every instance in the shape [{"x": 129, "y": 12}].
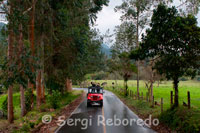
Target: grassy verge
[
  {"x": 163, "y": 90},
  {"x": 34, "y": 117},
  {"x": 180, "y": 119}
]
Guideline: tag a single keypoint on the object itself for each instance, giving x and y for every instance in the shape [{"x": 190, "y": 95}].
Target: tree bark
[
  {"x": 151, "y": 91},
  {"x": 10, "y": 105},
  {"x": 38, "y": 89},
  {"x": 22, "y": 98},
  {"x": 126, "y": 87},
  {"x": 42, "y": 87},
  {"x": 68, "y": 85},
  {"x": 137, "y": 43},
  {"x": 176, "y": 102},
  {"x": 10, "y": 56},
  {"x": 31, "y": 38}
]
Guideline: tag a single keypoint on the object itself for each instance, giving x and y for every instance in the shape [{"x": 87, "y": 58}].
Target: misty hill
[
  {"x": 106, "y": 50},
  {"x": 2, "y": 38}
]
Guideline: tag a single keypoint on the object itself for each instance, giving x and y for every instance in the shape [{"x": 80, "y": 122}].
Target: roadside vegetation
[
  {"x": 164, "y": 60},
  {"x": 179, "y": 119},
  {"x": 33, "y": 118},
  {"x": 46, "y": 46},
  {"x": 162, "y": 91}
]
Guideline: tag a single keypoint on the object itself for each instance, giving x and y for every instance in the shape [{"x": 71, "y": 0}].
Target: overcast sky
[{"x": 108, "y": 18}]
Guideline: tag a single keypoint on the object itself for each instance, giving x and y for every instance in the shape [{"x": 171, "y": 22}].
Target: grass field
[
  {"x": 163, "y": 91},
  {"x": 16, "y": 101}
]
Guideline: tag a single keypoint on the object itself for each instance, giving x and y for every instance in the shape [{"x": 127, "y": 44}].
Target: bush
[
  {"x": 28, "y": 95},
  {"x": 5, "y": 107},
  {"x": 45, "y": 107},
  {"x": 53, "y": 84},
  {"x": 25, "y": 128},
  {"x": 99, "y": 76},
  {"x": 183, "y": 79},
  {"x": 31, "y": 125},
  {"x": 181, "y": 119},
  {"x": 198, "y": 78},
  {"x": 54, "y": 99}
]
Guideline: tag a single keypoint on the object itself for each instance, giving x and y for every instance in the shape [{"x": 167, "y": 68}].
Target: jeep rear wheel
[
  {"x": 101, "y": 104},
  {"x": 88, "y": 104}
]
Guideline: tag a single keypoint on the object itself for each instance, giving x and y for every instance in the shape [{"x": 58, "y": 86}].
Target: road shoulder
[{"x": 65, "y": 112}]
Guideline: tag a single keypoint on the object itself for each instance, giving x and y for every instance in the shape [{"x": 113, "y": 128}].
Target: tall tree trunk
[
  {"x": 10, "y": 92},
  {"x": 158, "y": 83},
  {"x": 126, "y": 86},
  {"x": 137, "y": 43},
  {"x": 10, "y": 105},
  {"x": 68, "y": 85},
  {"x": 22, "y": 97},
  {"x": 176, "y": 81},
  {"x": 38, "y": 88},
  {"x": 42, "y": 70},
  {"x": 31, "y": 38},
  {"x": 42, "y": 87}
]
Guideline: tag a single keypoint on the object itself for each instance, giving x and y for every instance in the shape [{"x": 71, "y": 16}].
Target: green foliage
[
  {"x": 99, "y": 76},
  {"x": 54, "y": 84},
  {"x": 75, "y": 49},
  {"x": 198, "y": 78},
  {"x": 20, "y": 75},
  {"x": 54, "y": 99},
  {"x": 4, "y": 107},
  {"x": 25, "y": 128},
  {"x": 174, "y": 40},
  {"x": 31, "y": 124},
  {"x": 181, "y": 119},
  {"x": 28, "y": 96},
  {"x": 183, "y": 79}
]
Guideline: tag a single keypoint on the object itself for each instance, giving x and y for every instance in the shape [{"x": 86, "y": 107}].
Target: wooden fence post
[
  {"x": 153, "y": 102},
  {"x": 133, "y": 94},
  {"x": 161, "y": 104},
  {"x": 171, "y": 98},
  {"x": 188, "y": 93}
]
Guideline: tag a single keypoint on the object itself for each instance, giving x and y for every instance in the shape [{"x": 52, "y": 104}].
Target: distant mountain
[
  {"x": 2, "y": 38},
  {"x": 106, "y": 50},
  {"x": 1, "y": 25}
]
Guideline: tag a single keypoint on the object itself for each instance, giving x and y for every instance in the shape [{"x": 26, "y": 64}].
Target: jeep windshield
[{"x": 95, "y": 90}]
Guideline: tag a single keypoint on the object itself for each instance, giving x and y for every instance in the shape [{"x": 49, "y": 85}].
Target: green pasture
[{"x": 163, "y": 90}]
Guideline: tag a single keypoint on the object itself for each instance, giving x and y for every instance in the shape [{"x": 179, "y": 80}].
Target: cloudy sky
[{"x": 108, "y": 18}]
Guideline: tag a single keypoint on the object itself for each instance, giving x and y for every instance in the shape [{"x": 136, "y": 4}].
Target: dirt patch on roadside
[{"x": 66, "y": 112}]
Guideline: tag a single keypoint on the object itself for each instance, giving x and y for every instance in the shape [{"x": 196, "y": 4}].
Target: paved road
[{"x": 112, "y": 109}]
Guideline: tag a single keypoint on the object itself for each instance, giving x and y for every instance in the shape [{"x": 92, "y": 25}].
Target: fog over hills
[{"x": 106, "y": 50}]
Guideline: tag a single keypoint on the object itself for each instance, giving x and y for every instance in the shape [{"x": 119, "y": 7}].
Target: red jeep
[{"x": 95, "y": 95}]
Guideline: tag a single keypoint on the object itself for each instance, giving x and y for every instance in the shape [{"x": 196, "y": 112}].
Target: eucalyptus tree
[
  {"x": 71, "y": 39},
  {"x": 138, "y": 12},
  {"x": 124, "y": 35},
  {"x": 16, "y": 68}
]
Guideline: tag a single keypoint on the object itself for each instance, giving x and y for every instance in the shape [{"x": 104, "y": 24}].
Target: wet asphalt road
[{"x": 113, "y": 109}]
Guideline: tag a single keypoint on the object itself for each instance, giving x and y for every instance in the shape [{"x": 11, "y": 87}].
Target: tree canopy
[{"x": 174, "y": 41}]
